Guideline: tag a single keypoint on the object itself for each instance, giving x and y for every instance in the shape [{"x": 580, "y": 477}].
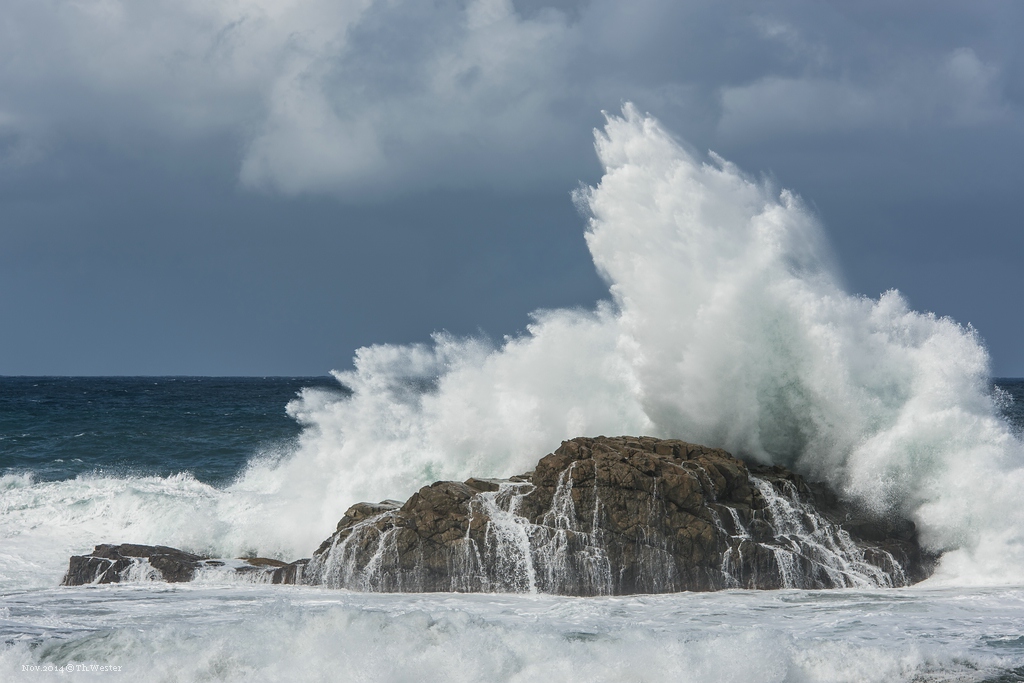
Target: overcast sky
[{"x": 261, "y": 186}]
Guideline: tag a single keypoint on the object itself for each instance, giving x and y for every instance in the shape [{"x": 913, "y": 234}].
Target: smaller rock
[
  {"x": 478, "y": 484},
  {"x": 116, "y": 563},
  {"x": 264, "y": 562},
  {"x": 133, "y": 562},
  {"x": 290, "y": 573}
]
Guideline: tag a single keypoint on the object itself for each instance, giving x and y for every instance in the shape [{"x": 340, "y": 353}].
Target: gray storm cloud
[{"x": 364, "y": 96}]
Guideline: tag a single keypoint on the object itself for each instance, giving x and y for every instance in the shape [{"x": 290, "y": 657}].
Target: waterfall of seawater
[
  {"x": 809, "y": 551},
  {"x": 555, "y": 556},
  {"x": 342, "y": 565},
  {"x": 784, "y": 543}
]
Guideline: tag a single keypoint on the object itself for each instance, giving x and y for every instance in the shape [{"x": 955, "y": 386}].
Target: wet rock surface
[
  {"x": 133, "y": 562},
  {"x": 616, "y": 516},
  {"x": 599, "y": 516},
  {"x": 115, "y": 563}
]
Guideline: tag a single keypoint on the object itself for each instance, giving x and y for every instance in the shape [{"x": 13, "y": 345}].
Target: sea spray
[{"x": 726, "y": 325}]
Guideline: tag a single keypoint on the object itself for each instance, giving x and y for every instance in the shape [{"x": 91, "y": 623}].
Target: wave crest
[{"x": 727, "y": 325}]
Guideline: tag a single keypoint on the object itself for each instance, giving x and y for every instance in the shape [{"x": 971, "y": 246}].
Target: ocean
[
  {"x": 75, "y": 452},
  {"x": 726, "y": 324}
]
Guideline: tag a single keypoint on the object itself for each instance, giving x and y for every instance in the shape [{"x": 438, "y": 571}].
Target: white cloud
[
  {"x": 364, "y": 96},
  {"x": 483, "y": 95}
]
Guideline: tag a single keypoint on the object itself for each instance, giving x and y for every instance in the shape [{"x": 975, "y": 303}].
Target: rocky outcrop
[
  {"x": 615, "y": 516},
  {"x": 599, "y": 516},
  {"x": 133, "y": 562},
  {"x": 116, "y": 563}
]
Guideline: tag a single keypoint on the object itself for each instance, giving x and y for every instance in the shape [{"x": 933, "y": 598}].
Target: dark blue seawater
[{"x": 59, "y": 427}]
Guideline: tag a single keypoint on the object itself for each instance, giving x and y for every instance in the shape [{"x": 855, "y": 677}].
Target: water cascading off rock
[{"x": 606, "y": 516}]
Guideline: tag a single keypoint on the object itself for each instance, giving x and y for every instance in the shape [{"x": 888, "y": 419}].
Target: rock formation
[
  {"x": 616, "y": 516},
  {"x": 133, "y": 562},
  {"x": 599, "y": 516}
]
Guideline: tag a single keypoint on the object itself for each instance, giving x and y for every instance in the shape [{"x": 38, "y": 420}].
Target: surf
[{"x": 726, "y": 324}]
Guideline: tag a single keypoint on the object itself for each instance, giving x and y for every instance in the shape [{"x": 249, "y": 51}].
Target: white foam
[
  {"x": 269, "y": 633},
  {"x": 727, "y": 326}
]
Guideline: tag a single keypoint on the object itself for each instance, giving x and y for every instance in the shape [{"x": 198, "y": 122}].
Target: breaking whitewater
[{"x": 726, "y": 326}]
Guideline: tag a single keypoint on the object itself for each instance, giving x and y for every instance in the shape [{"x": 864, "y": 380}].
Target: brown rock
[{"x": 619, "y": 515}]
